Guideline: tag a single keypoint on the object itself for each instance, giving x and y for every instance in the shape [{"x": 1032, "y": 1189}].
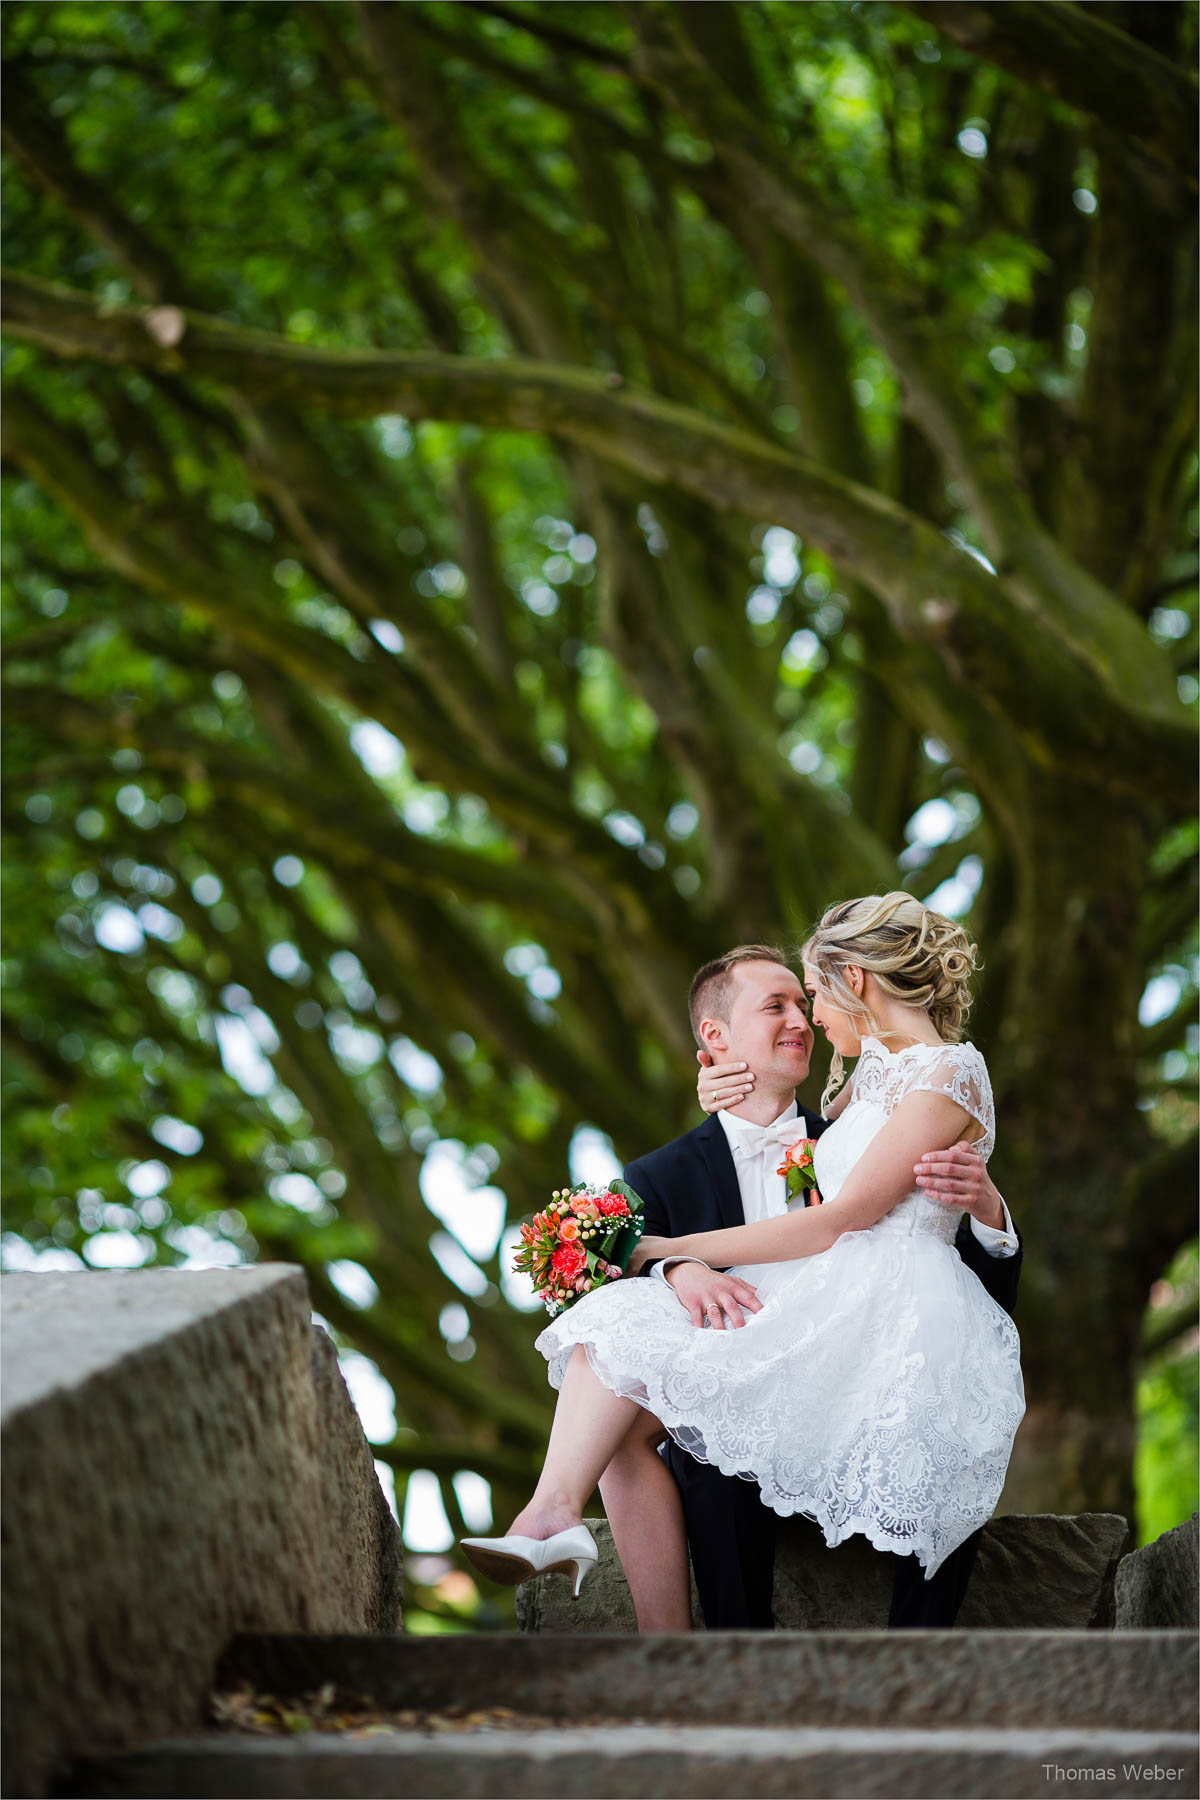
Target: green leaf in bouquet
[{"x": 623, "y": 1246}]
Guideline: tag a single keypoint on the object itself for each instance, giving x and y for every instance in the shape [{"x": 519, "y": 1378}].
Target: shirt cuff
[
  {"x": 997, "y": 1240},
  {"x": 659, "y": 1271}
]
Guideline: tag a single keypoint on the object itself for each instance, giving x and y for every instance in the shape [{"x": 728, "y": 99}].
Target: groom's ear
[{"x": 713, "y": 1036}]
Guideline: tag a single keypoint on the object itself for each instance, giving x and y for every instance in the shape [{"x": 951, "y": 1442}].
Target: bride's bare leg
[
  {"x": 646, "y": 1515},
  {"x": 589, "y": 1424}
]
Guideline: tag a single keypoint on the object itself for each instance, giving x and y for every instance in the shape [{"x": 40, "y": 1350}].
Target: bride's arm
[{"x": 879, "y": 1180}]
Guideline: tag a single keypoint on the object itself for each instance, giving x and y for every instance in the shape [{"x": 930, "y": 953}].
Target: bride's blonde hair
[{"x": 916, "y": 955}]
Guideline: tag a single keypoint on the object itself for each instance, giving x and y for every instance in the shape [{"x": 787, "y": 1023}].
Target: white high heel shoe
[{"x": 512, "y": 1559}]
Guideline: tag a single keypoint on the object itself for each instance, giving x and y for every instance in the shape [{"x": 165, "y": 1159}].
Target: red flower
[
  {"x": 527, "y": 1233},
  {"x": 612, "y": 1204},
  {"x": 568, "y": 1260}
]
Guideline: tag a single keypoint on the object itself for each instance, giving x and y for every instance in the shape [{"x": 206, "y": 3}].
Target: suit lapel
[
  {"x": 722, "y": 1174},
  {"x": 813, "y": 1123}
]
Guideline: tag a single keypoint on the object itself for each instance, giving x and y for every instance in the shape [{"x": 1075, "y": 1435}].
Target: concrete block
[
  {"x": 1043, "y": 1571},
  {"x": 1033, "y": 1572},
  {"x": 1135, "y": 1680},
  {"x": 164, "y": 1483},
  {"x": 1156, "y": 1586},
  {"x": 659, "y": 1762},
  {"x": 362, "y": 1550}
]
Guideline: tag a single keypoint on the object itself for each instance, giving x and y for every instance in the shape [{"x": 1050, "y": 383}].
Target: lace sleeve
[{"x": 959, "y": 1071}]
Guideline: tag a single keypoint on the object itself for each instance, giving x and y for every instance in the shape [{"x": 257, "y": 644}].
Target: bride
[{"x": 878, "y": 1389}]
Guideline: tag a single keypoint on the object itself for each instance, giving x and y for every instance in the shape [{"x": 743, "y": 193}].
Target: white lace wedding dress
[{"x": 879, "y": 1389}]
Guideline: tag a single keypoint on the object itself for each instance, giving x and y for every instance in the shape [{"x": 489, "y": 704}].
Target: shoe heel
[{"x": 578, "y": 1568}]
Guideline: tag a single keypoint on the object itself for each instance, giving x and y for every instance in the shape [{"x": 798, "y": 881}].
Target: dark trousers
[
  {"x": 731, "y": 1536},
  {"x": 917, "y": 1602}
]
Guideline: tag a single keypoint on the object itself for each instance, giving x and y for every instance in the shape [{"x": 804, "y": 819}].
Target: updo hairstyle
[{"x": 916, "y": 955}]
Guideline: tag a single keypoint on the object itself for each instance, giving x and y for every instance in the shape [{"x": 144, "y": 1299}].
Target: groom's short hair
[{"x": 711, "y": 995}]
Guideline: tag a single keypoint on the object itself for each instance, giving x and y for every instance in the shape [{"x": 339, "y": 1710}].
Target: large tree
[{"x": 509, "y": 499}]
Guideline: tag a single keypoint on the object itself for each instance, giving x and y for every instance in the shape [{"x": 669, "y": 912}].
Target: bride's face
[{"x": 843, "y": 1030}]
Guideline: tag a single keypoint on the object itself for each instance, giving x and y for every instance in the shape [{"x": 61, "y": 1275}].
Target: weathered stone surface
[
  {"x": 362, "y": 1549},
  {"x": 1157, "y": 1585},
  {"x": 1041, "y": 1570},
  {"x": 662, "y": 1762},
  {"x": 164, "y": 1484},
  {"x": 1033, "y": 1572},
  {"x": 1087, "y": 1680},
  {"x": 604, "y": 1605},
  {"x": 871, "y": 1713}
]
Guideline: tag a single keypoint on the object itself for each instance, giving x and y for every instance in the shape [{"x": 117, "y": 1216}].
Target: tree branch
[
  {"x": 897, "y": 311},
  {"x": 382, "y": 688},
  {"x": 323, "y": 511},
  {"x": 35, "y": 138},
  {"x": 1075, "y": 55},
  {"x": 568, "y": 43},
  {"x": 1069, "y": 679}
]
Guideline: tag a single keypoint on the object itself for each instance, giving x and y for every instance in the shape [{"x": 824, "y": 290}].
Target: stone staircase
[
  {"x": 201, "y": 1586},
  {"x": 824, "y": 1713}
]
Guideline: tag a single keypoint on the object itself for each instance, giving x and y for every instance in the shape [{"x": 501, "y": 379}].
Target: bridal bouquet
[
  {"x": 582, "y": 1241},
  {"x": 797, "y": 1166}
]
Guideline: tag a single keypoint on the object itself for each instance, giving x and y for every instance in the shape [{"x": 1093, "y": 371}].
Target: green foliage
[
  {"x": 1168, "y": 1407},
  {"x": 373, "y": 787}
]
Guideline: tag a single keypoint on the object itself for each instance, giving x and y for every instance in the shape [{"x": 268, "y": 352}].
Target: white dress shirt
[{"x": 757, "y": 1152}]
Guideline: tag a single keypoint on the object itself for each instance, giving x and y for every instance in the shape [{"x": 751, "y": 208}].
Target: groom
[{"x": 747, "y": 1006}]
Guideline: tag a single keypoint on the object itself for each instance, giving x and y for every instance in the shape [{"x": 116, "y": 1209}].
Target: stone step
[
  {"x": 1131, "y": 1680},
  {"x": 660, "y": 1761}
]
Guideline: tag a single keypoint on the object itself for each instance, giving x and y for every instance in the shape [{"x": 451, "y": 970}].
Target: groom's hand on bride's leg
[{"x": 709, "y": 1295}]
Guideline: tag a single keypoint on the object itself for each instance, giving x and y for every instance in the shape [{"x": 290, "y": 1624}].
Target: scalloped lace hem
[{"x": 835, "y": 1531}]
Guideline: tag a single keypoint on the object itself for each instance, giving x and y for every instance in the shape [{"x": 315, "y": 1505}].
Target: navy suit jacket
[{"x": 691, "y": 1184}]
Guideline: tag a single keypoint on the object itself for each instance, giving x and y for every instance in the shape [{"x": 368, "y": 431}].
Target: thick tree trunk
[{"x": 1069, "y": 1134}]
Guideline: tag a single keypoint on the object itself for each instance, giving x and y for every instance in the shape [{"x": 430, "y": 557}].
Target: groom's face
[{"x": 768, "y": 1024}]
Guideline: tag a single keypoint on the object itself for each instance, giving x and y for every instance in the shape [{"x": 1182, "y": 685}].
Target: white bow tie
[{"x": 752, "y": 1140}]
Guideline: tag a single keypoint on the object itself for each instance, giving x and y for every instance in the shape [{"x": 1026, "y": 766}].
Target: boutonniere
[{"x": 797, "y": 1169}]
